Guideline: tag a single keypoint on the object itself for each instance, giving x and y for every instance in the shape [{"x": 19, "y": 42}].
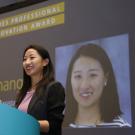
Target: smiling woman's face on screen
[{"x": 88, "y": 81}]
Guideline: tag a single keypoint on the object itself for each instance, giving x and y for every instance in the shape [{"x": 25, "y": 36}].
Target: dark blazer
[{"x": 49, "y": 106}]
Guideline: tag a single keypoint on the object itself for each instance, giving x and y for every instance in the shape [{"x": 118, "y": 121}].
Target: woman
[
  {"x": 41, "y": 96},
  {"x": 92, "y": 98}
]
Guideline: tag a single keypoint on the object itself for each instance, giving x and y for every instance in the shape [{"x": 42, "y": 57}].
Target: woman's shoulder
[
  {"x": 52, "y": 84},
  {"x": 55, "y": 86},
  {"x": 56, "y": 94},
  {"x": 121, "y": 122},
  {"x": 117, "y": 122}
]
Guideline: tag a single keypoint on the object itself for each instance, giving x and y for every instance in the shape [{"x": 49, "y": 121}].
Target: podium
[{"x": 16, "y": 122}]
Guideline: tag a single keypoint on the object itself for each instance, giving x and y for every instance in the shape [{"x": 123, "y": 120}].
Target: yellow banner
[
  {"x": 32, "y": 26},
  {"x": 32, "y": 15},
  {"x": 9, "y": 85}
]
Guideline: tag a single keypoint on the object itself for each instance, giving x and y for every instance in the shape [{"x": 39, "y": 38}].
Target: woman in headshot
[
  {"x": 41, "y": 96},
  {"x": 91, "y": 91}
]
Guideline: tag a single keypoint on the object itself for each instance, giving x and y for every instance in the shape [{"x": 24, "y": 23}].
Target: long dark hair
[
  {"x": 109, "y": 105},
  {"x": 48, "y": 73}
]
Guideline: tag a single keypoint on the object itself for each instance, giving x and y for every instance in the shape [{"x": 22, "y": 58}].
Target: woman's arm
[{"x": 55, "y": 107}]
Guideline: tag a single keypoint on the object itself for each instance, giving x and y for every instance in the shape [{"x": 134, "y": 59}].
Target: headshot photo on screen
[{"x": 96, "y": 77}]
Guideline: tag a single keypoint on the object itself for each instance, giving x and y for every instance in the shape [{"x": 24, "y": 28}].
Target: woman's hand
[{"x": 44, "y": 125}]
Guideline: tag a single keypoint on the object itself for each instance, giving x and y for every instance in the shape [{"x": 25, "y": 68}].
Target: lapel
[
  {"x": 35, "y": 98},
  {"x": 32, "y": 102}
]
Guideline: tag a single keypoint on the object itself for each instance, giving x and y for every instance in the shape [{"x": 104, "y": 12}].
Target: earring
[{"x": 105, "y": 83}]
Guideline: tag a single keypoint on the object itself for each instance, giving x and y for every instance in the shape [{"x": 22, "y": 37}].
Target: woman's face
[
  {"x": 33, "y": 63},
  {"x": 87, "y": 80}
]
